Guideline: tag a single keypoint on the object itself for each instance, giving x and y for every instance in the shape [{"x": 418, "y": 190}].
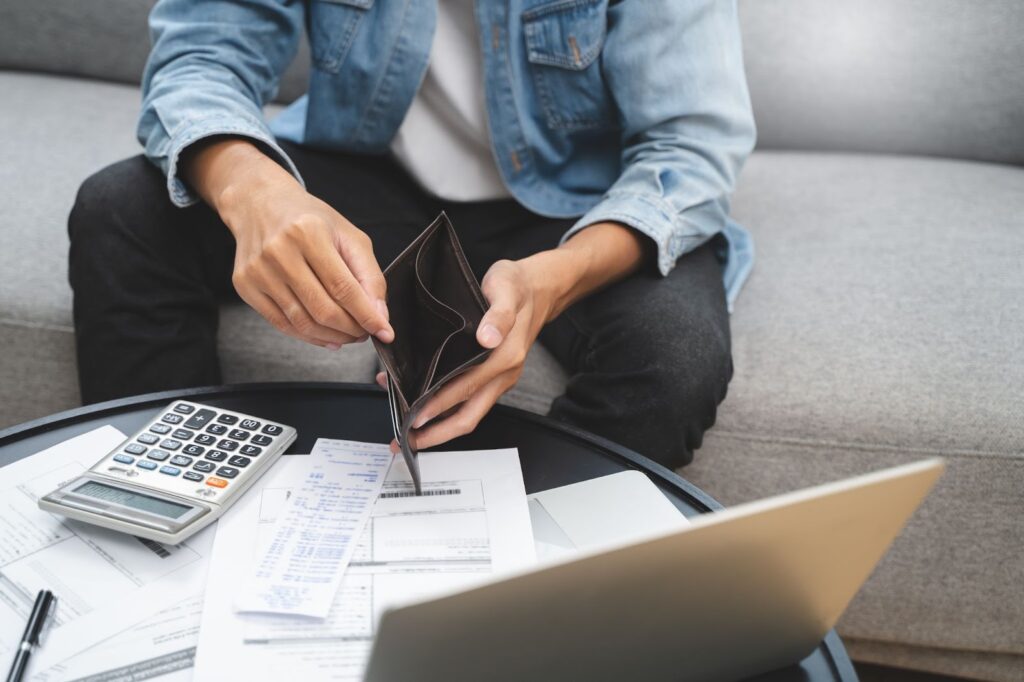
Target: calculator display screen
[{"x": 127, "y": 498}]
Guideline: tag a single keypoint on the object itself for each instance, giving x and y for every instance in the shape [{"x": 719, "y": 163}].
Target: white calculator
[{"x": 175, "y": 476}]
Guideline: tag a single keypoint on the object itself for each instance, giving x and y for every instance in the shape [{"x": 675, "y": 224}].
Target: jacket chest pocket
[
  {"x": 563, "y": 43},
  {"x": 332, "y": 26}
]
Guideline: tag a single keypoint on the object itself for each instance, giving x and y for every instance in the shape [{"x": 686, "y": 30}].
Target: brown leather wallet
[{"x": 435, "y": 305}]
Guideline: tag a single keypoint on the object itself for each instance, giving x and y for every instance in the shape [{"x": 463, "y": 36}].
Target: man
[{"x": 584, "y": 149}]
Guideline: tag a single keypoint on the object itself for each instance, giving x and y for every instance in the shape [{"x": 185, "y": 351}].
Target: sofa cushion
[
  {"x": 74, "y": 37},
  {"x": 884, "y": 323},
  {"x": 886, "y": 305},
  {"x": 937, "y": 77}
]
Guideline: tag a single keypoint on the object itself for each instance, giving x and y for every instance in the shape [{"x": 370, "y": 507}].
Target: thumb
[{"x": 504, "y": 294}]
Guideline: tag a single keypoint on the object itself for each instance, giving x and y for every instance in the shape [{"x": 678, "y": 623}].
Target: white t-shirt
[{"x": 443, "y": 141}]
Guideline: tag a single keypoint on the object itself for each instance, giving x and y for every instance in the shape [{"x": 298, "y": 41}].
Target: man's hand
[
  {"x": 524, "y": 296},
  {"x": 304, "y": 267}
]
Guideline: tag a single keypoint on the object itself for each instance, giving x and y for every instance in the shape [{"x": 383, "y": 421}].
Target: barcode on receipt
[{"x": 426, "y": 493}]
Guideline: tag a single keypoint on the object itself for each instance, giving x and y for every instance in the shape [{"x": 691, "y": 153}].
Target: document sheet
[
  {"x": 103, "y": 579},
  {"x": 470, "y": 523},
  {"x": 160, "y": 647},
  {"x": 298, "y": 567}
]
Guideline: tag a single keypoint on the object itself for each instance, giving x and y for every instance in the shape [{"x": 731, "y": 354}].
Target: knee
[
  {"x": 687, "y": 373},
  {"x": 103, "y": 195},
  {"x": 103, "y": 207}
]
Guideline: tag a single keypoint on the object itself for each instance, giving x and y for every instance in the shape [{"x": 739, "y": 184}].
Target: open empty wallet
[{"x": 436, "y": 305}]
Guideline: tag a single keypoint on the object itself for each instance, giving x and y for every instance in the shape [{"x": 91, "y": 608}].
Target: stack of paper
[
  {"x": 337, "y": 534},
  {"x": 471, "y": 522}
]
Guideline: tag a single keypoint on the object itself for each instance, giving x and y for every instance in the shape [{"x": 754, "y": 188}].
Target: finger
[
  {"x": 506, "y": 298},
  {"x": 323, "y": 308},
  {"x": 298, "y": 317},
  {"x": 266, "y": 307},
  {"x": 364, "y": 267},
  {"x": 455, "y": 392},
  {"x": 382, "y": 379},
  {"x": 338, "y": 268},
  {"x": 464, "y": 420}
]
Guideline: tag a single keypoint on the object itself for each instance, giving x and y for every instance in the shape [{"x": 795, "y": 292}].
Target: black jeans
[{"x": 649, "y": 357}]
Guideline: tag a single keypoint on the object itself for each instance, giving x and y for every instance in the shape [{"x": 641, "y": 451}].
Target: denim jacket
[{"x": 633, "y": 111}]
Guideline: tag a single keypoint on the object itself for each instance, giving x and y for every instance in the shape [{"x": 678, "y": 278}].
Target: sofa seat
[{"x": 883, "y": 322}]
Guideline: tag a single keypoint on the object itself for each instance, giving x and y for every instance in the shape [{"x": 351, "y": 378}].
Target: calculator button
[
  {"x": 193, "y": 450},
  {"x": 205, "y": 467},
  {"x": 192, "y": 476},
  {"x": 205, "y": 439},
  {"x": 228, "y": 445},
  {"x": 250, "y": 451},
  {"x": 124, "y": 459},
  {"x": 250, "y": 424},
  {"x": 172, "y": 418},
  {"x": 240, "y": 462},
  {"x": 200, "y": 419},
  {"x": 228, "y": 419},
  {"x": 239, "y": 434},
  {"x": 134, "y": 449},
  {"x": 160, "y": 428},
  {"x": 272, "y": 430},
  {"x": 170, "y": 444},
  {"x": 217, "y": 429},
  {"x": 227, "y": 472},
  {"x": 147, "y": 438},
  {"x": 182, "y": 434},
  {"x": 261, "y": 440},
  {"x": 170, "y": 471},
  {"x": 217, "y": 482},
  {"x": 181, "y": 461},
  {"x": 216, "y": 455},
  {"x": 158, "y": 455},
  {"x": 182, "y": 408},
  {"x": 145, "y": 464}
]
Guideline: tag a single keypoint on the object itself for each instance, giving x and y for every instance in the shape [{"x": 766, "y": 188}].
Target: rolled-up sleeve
[
  {"x": 213, "y": 66},
  {"x": 675, "y": 71}
]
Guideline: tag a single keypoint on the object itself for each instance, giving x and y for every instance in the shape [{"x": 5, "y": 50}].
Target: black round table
[{"x": 552, "y": 454}]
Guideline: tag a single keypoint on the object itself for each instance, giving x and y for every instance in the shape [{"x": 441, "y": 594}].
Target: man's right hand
[{"x": 304, "y": 267}]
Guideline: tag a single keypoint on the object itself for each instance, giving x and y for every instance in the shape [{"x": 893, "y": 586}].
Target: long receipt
[
  {"x": 471, "y": 523},
  {"x": 299, "y": 568}
]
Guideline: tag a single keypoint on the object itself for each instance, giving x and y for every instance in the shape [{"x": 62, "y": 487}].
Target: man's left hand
[
  {"x": 524, "y": 295},
  {"x": 518, "y": 310}
]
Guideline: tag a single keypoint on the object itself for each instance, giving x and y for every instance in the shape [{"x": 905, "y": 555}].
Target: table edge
[
  {"x": 702, "y": 500},
  {"x": 837, "y": 654}
]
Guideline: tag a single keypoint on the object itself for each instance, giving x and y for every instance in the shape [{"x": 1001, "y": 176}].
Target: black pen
[{"x": 44, "y": 602}]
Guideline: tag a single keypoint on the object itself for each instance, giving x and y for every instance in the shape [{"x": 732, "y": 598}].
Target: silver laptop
[{"x": 734, "y": 593}]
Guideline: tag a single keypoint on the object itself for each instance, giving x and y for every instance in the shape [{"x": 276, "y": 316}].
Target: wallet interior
[{"x": 435, "y": 306}]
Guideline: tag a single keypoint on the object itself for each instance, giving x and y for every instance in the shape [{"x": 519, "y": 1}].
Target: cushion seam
[
  {"x": 868, "y": 447},
  {"x": 26, "y": 324},
  {"x": 926, "y": 645}
]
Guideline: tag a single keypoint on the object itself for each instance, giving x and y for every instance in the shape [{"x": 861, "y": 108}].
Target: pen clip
[{"x": 49, "y": 620}]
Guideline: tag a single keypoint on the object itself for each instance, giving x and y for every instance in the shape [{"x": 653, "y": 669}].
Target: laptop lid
[{"x": 735, "y": 593}]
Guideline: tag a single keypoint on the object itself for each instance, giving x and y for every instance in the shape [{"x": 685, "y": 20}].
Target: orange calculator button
[{"x": 217, "y": 482}]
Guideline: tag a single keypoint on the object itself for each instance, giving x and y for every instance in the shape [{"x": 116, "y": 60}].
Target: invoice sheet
[
  {"x": 299, "y": 565},
  {"x": 161, "y": 647},
  {"x": 471, "y": 523},
  {"x": 104, "y": 580}
]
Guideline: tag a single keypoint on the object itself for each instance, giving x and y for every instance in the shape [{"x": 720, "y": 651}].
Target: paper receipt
[{"x": 299, "y": 567}]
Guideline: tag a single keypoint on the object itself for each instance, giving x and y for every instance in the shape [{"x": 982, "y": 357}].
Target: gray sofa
[{"x": 884, "y": 320}]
